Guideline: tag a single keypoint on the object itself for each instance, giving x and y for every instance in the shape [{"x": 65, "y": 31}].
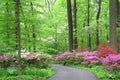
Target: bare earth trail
[{"x": 68, "y": 73}]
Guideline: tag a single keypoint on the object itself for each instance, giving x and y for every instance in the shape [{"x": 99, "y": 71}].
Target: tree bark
[
  {"x": 88, "y": 24},
  {"x": 113, "y": 24},
  {"x": 33, "y": 31},
  {"x": 75, "y": 26},
  {"x": 70, "y": 25},
  {"x": 118, "y": 11},
  {"x": 17, "y": 15},
  {"x": 7, "y": 24},
  {"x": 97, "y": 20}
]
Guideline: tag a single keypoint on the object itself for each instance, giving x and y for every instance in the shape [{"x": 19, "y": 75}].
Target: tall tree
[
  {"x": 17, "y": 15},
  {"x": 112, "y": 21},
  {"x": 88, "y": 24},
  {"x": 75, "y": 26},
  {"x": 118, "y": 11},
  {"x": 33, "y": 31},
  {"x": 97, "y": 20},
  {"x": 7, "y": 23},
  {"x": 70, "y": 25}
]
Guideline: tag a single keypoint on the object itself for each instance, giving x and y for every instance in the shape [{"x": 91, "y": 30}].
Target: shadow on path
[{"x": 68, "y": 73}]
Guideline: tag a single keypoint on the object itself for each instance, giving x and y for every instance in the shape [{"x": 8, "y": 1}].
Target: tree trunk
[
  {"x": 88, "y": 24},
  {"x": 33, "y": 31},
  {"x": 118, "y": 11},
  {"x": 113, "y": 21},
  {"x": 17, "y": 15},
  {"x": 75, "y": 26},
  {"x": 97, "y": 20},
  {"x": 70, "y": 25},
  {"x": 7, "y": 23}
]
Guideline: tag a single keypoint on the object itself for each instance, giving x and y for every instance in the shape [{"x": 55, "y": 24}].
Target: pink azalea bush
[
  {"x": 69, "y": 58},
  {"x": 84, "y": 58},
  {"x": 36, "y": 60},
  {"x": 90, "y": 58},
  {"x": 27, "y": 60},
  {"x": 111, "y": 62}
]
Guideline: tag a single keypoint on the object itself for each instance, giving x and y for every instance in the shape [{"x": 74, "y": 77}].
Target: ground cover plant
[{"x": 27, "y": 74}]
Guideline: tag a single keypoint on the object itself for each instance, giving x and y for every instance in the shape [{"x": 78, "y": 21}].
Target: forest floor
[{"x": 68, "y": 73}]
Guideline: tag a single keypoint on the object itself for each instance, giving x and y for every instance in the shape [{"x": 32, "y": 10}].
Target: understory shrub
[
  {"x": 90, "y": 58},
  {"x": 36, "y": 60},
  {"x": 69, "y": 58},
  {"x": 104, "y": 49},
  {"x": 112, "y": 62},
  {"x": 5, "y": 60},
  {"x": 28, "y": 59},
  {"x": 51, "y": 51}
]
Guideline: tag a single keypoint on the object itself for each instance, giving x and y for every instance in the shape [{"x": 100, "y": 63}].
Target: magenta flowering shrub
[
  {"x": 84, "y": 58},
  {"x": 69, "y": 58},
  {"x": 111, "y": 62},
  {"x": 90, "y": 58}
]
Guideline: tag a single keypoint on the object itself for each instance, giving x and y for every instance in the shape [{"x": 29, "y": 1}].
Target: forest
[{"x": 76, "y": 33}]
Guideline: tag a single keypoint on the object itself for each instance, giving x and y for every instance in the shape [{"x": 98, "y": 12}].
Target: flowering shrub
[
  {"x": 4, "y": 61},
  {"x": 111, "y": 62},
  {"x": 90, "y": 58},
  {"x": 69, "y": 58},
  {"x": 43, "y": 61},
  {"x": 38, "y": 60},
  {"x": 29, "y": 59},
  {"x": 104, "y": 49}
]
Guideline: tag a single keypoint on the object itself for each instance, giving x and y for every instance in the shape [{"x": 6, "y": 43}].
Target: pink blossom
[
  {"x": 30, "y": 56},
  {"x": 77, "y": 54}
]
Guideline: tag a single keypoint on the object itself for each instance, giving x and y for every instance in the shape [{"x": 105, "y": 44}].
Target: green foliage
[
  {"x": 51, "y": 51},
  {"x": 38, "y": 72},
  {"x": 12, "y": 71},
  {"x": 23, "y": 77},
  {"x": 28, "y": 74}
]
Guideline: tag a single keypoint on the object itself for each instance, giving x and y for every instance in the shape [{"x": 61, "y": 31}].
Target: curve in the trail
[{"x": 68, "y": 73}]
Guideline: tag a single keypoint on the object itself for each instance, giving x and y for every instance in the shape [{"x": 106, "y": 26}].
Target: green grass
[
  {"x": 27, "y": 74},
  {"x": 99, "y": 71}
]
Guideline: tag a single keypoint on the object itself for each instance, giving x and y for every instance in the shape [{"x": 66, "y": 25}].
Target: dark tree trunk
[
  {"x": 69, "y": 12},
  {"x": 33, "y": 31},
  {"x": 88, "y": 24},
  {"x": 113, "y": 21},
  {"x": 7, "y": 22},
  {"x": 97, "y": 20},
  {"x": 18, "y": 36},
  {"x": 17, "y": 15},
  {"x": 75, "y": 26},
  {"x": 118, "y": 11}
]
